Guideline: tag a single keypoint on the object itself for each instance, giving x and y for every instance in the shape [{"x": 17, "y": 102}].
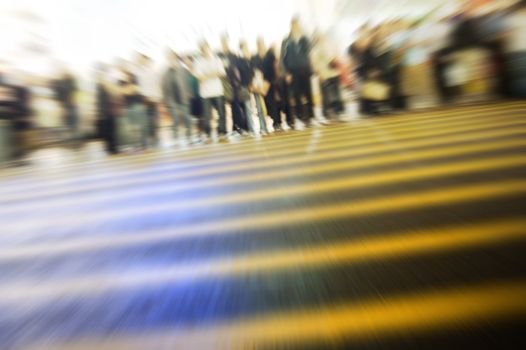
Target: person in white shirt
[
  {"x": 149, "y": 84},
  {"x": 209, "y": 70}
]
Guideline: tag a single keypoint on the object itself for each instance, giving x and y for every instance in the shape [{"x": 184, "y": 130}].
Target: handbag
[
  {"x": 375, "y": 90},
  {"x": 227, "y": 89}
]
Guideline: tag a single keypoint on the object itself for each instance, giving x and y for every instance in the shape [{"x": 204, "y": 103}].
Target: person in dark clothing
[
  {"x": 376, "y": 66},
  {"x": 232, "y": 86},
  {"x": 266, "y": 62},
  {"x": 246, "y": 76},
  {"x": 295, "y": 58},
  {"x": 65, "y": 89},
  {"x": 359, "y": 52},
  {"x": 177, "y": 94},
  {"x": 132, "y": 126},
  {"x": 15, "y": 112},
  {"x": 196, "y": 103},
  {"x": 282, "y": 94},
  {"x": 473, "y": 31},
  {"x": 254, "y": 81},
  {"x": 106, "y": 111}
]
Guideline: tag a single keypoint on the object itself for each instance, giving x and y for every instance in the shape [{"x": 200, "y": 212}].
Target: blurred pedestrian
[
  {"x": 209, "y": 70},
  {"x": 177, "y": 94},
  {"x": 106, "y": 107},
  {"x": 15, "y": 119},
  {"x": 132, "y": 126},
  {"x": 295, "y": 58},
  {"x": 149, "y": 85},
  {"x": 283, "y": 97},
  {"x": 358, "y": 52},
  {"x": 196, "y": 103},
  {"x": 232, "y": 86},
  {"x": 375, "y": 69},
  {"x": 324, "y": 59},
  {"x": 66, "y": 89},
  {"x": 252, "y": 79},
  {"x": 266, "y": 62}
]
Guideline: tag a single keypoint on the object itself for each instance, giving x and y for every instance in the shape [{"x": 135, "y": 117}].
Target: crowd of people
[
  {"x": 234, "y": 83},
  {"x": 393, "y": 66}
]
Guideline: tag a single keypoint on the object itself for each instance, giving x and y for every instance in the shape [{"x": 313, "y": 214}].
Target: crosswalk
[{"x": 400, "y": 232}]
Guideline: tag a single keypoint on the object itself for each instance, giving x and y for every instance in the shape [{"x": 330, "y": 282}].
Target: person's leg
[
  {"x": 307, "y": 92},
  {"x": 297, "y": 94},
  {"x": 247, "y": 107},
  {"x": 261, "y": 114},
  {"x": 16, "y": 151},
  {"x": 272, "y": 108},
  {"x": 72, "y": 120},
  {"x": 443, "y": 62},
  {"x": 121, "y": 127},
  {"x": 128, "y": 128},
  {"x": 175, "y": 120},
  {"x": 289, "y": 115},
  {"x": 184, "y": 112},
  {"x": 516, "y": 66},
  {"x": 207, "y": 116},
  {"x": 337, "y": 93},
  {"x": 237, "y": 120},
  {"x": 332, "y": 97},
  {"x": 140, "y": 126},
  {"x": 284, "y": 103},
  {"x": 106, "y": 132},
  {"x": 369, "y": 107},
  {"x": 111, "y": 135},
  {"x": 325, "y": 97},
  {"x": 219, "y": 105},
  {"x": 152, "y": 114}
]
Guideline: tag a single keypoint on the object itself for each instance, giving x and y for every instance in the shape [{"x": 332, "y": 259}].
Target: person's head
[
  {"x": 225, "y": 43},
  {"x": 101, "y": 70},
  {"x": 469, "y": 8},
  {"x": 262, "y": 49},
  {"x": 364, "y": 31},
  {"x": 204, "y": 48},
  {"x": 172, "y": 58},
  {"x": 122, "y": 65},
  {"x": 295, "y": 27},
  {"x": 143, "y": 60},
  {"x": 66, "y": 73},
  {"x": 322, "y": 38},
  {"x": 188, "y": 61},
  {"x": 384, "y": 30},
  {"x": 243, "y": 47}
]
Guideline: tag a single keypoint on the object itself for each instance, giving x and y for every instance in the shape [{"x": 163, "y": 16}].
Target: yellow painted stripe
[
  {"x": 192, "y": 153},
  {"x": 399, "y": 123},
  {"x": 399, "y": 202},
  {"x": 254, "y": 165},
  {"x": 279, "y": 191},
  {"x": 395, "y": 245},
  {"x": 309, "y": 170},
  {"x": 403, "y": 315}
]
